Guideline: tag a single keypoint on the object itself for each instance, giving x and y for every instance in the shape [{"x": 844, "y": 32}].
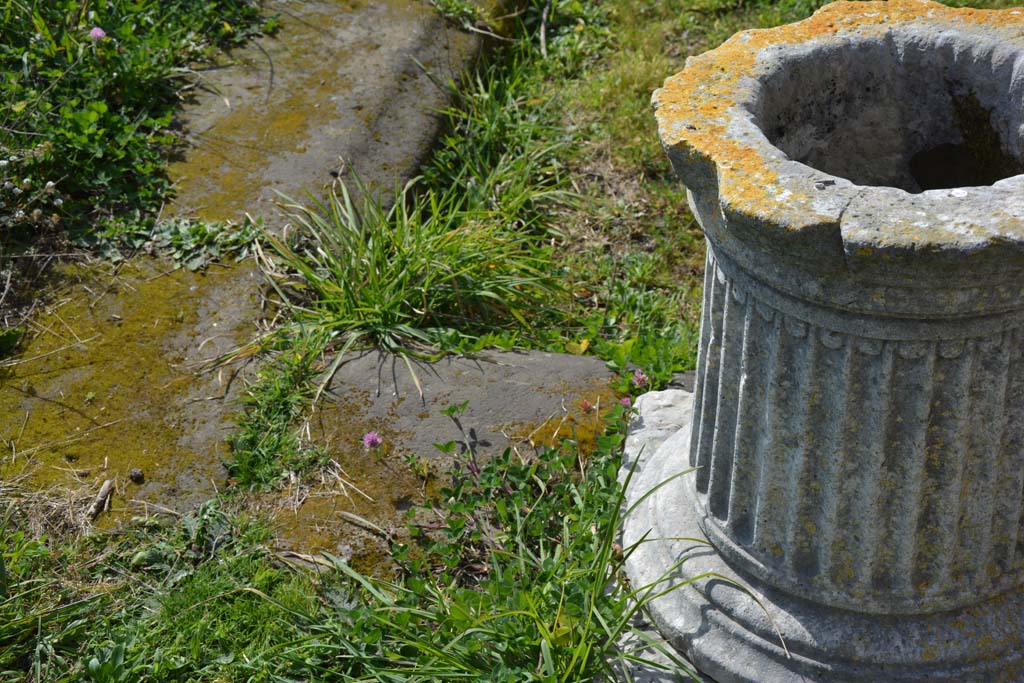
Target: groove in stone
[
  {"x": 988, "y": 390},
  {"x": 1010, "y": 468},
  {"x": 1018, "y": 555},
  {"x": 834, "y": 445},
  {"x": 943, "y": 469},
  {"x": 764, "y": 443},
  {"x": 751, "y": 402},
  {"x": 801, "y": 458},
  {"x": 815, "y": 517},
  {"x": 1007, "y": 521},
  {"x": 900, "y": 485},
  {"x": 705, "y": 339},
  {"x": 725, "y": 421},
  {"x": 709, "y": 397},
  {"x": 780, "y": 441},
  {"x": 863, "y": 500}
]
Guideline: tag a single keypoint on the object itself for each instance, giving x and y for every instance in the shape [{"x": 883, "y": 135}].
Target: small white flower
[
  {"x": 58, "y": 201},
  {"x": 49, "y": 184},
  {"x": 17, "y": 190},
  {"x": 3, "y": 162},
  {"x": 8, "y": 185},
  {"x": 19, "y": 214}
]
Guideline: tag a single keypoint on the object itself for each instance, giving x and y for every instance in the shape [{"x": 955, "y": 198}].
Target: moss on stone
[{"x": 101, "y": 383}]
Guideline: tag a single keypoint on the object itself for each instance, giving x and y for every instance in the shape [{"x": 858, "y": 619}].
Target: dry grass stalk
[{"x": 58, "y": 513}]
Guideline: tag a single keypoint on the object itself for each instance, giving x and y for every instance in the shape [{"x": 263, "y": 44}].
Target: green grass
[
  {"x": 431, "y": 266},
  {"x": 88, "y": 94},
  {"x": 461, "y": 257},
  {"x": 156, "y": 601},
  {"x": 266, "y": 444},
  {"x": 41, "y": 616},
  {"x": 479, "y": 250},
  {"x": 84, "y": 125},
  {"x": 214, "y": 600},
  {"x": 516, "y": 582}
]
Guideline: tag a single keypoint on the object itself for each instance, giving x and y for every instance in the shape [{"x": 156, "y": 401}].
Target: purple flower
[
  {"x": 371, "y": 440},
  {"x": 639, "y": 379},
  {"x": 97, "y": 33},
  {"x": 625, "y": 402}
]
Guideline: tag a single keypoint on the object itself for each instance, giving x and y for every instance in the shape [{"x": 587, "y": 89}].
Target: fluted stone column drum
[{"x": 857, "y": 436}]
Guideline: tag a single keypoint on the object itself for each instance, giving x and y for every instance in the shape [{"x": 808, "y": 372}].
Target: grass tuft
[
  {"x": 410, "y": 273},
  {"x": 267, "y": 445}
]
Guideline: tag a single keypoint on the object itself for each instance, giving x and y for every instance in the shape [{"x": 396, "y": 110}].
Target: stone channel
[{"x": 112, "y": 378}]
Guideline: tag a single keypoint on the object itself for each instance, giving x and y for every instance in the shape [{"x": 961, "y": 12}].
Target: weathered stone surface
[
  {"x": 877, "y": 474},
  {"x": 858, "y": 431},
  {"x": 341, "y": 79},
  {"x": 524, "y": 400},
  {"x": 505, "y": 393},
  {"x": 344, "y": 85},
  {"x": 657, "y": 416}
]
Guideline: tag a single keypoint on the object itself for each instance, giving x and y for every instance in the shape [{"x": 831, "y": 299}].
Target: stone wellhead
[{"x": 858, "y": 421}]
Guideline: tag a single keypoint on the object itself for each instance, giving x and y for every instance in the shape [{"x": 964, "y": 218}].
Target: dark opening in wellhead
[
  {"x": 883, "y": 114},
  {"x": 978, "y": 160}
]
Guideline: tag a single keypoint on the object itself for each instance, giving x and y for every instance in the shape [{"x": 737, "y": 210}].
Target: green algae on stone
[
  {"x": 372, "y": 484},
  {"x": 581, "y": 425},
  {"x": 341, "y": 84},
  {"x": 105, "y": 383}
]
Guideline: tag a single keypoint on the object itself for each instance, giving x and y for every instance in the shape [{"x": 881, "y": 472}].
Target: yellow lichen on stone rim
[{"x": 694, "y": 106}]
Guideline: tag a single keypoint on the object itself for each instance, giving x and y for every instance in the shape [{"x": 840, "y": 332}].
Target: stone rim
[{"x": 707, "y": 121}]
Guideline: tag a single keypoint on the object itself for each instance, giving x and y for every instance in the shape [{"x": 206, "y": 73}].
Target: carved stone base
[{"x": 732, "y": 627}]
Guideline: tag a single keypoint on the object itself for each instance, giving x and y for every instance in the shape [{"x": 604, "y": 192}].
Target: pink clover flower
[{"x": 372, "y": 440}]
